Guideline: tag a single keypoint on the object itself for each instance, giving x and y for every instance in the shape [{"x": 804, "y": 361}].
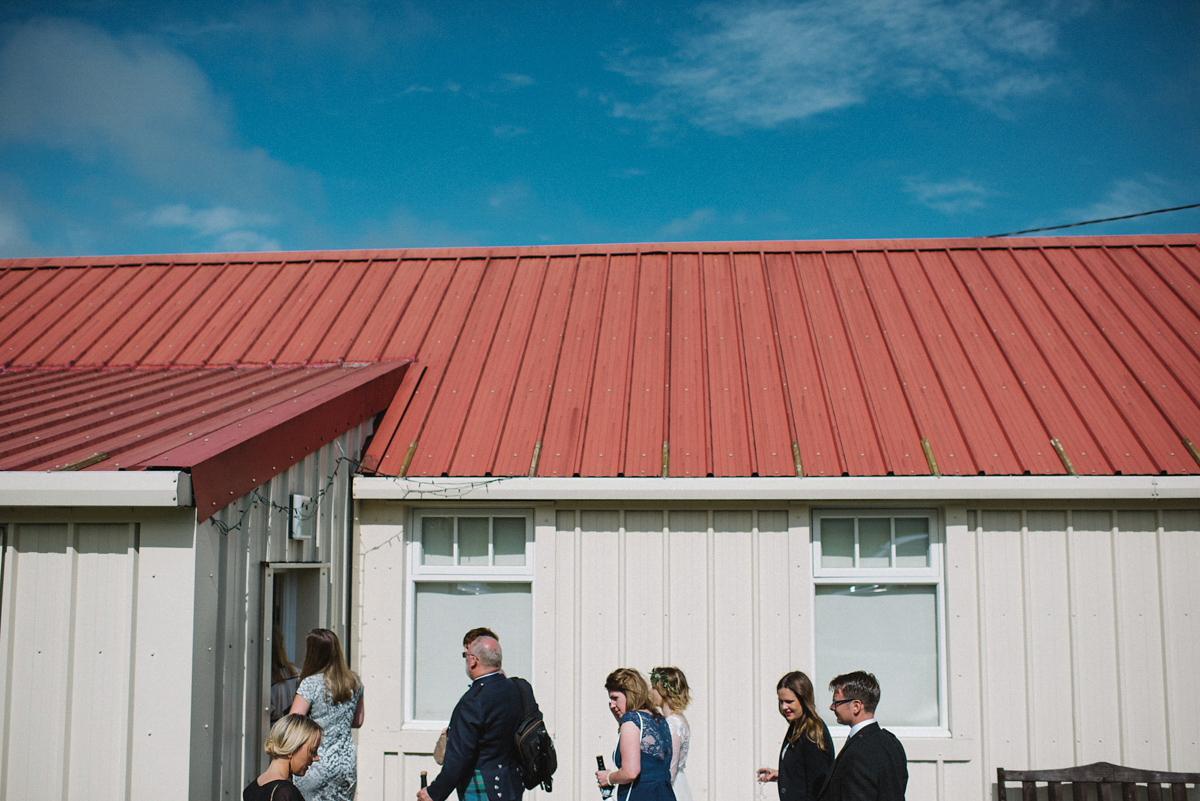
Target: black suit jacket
[
  {"x": 481, "y": 738},
  {"x": 872, "y": 766}
]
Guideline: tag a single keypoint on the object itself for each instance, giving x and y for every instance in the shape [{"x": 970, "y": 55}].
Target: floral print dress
[{"x": 334, "y": 776}]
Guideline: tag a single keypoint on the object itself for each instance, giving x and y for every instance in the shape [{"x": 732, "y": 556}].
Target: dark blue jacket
[
  {"x": 872, "y": 766},
  {"x": 481, "y": 738}
]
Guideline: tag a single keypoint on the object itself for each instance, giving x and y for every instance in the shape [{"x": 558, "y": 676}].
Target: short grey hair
[{"x": 487, "y": 651}]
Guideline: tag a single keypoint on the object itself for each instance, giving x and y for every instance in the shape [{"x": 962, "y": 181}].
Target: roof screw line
[
  {"x": 929, "y": 460},
  {"x": 1062, "y": 456}
]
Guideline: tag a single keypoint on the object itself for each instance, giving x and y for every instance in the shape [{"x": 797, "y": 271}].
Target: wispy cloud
[
  {"x": 1126, "y": 196},
  {"x": 515, "y": 80},
  {"x": 952, "y": 196},
  {"x": 759, "y": 65},
  {"x": 509, "y": 131},
  {"x": 686, "y": 226},
  {"x": 224, "y": 227}
]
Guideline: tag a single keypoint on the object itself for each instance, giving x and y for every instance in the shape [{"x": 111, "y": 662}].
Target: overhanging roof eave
[{"x": 818, "y": 489}]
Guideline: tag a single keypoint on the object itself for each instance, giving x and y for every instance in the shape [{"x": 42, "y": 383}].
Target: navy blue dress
[{"x": 654, "y": 783}]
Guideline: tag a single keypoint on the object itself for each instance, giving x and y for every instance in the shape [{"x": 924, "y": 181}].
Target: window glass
[
  {"x": 912, "y": 542},
  {"x": 437, "y": 541},
  {"x": 472, "y": 541},
  {"x": 886, "y": 629},
  {"x": 837, "y": 542},
  {"x": 444, "y": 612},
  {"x": 874, "y": 542},
  {"x": 509, "y": 540}
]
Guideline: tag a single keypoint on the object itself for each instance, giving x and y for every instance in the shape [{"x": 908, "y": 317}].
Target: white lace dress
[
  {"x": 333, "y": 777},
  {"x": 680, "y": 728}
]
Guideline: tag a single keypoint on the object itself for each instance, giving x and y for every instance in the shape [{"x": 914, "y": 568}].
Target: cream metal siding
[
  {"x": 96, "y": 629},
  {"x": 1072, "y": 635},
  {"x": 231, "y": 695}
]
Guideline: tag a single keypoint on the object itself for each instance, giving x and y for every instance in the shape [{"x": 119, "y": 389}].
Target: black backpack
[{"x": 534, "y": 746}]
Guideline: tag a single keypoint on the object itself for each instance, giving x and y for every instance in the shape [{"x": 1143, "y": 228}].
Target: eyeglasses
[{"x": 841, "y": 701}]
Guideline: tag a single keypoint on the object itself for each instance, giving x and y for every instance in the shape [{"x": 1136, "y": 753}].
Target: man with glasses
[
  {"x": 872, "y": 765},
  {"x": 481, "y": 759}
]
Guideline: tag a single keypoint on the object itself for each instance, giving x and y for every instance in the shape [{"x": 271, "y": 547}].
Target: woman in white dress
[{"x": 669, "y": 689}]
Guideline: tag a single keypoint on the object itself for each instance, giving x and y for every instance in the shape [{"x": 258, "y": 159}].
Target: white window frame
[
  {"x": 933, "y": 575},
  {"x": 421, "y": 573}
]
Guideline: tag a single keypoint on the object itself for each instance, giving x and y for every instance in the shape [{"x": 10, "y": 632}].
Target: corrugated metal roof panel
[{"x": 767, "y": 358}]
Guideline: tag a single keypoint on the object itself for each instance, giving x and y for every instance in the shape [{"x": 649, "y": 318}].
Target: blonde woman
[
  {"x": 807, "y": 752},
  {"x": 333, "y": 696},
  {"x": 293, "y": 746},
  {"x": 643, "y": 755},
  {"x": 669, "y": 689}
]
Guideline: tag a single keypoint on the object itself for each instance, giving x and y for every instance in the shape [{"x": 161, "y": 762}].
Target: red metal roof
[
  {"x": 724, "y": 359},
  {"x": 231, "y": 428}
]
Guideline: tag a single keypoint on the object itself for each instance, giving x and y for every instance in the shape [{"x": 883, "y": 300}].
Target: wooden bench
[{"x": 1111, "y": 783}]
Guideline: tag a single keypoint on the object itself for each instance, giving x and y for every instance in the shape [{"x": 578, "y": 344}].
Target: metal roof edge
[
  {"x": 511, "y": 251},
  {"x": 822, "y": 489},
  {"x": 235, "y": 459},
  {"x": 96, "y": 488}
]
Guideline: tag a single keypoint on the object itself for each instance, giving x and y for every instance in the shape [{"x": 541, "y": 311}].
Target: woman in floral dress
[
  {"x": 331, "y": 695},
  {"x": 643, "y": 755}
]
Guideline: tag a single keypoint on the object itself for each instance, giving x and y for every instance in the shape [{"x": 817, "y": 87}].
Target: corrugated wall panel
[
  {"x": 603, "y": 436},
  {"x": 649, "y": 375},
  {"x": 1179, "y": 553}
]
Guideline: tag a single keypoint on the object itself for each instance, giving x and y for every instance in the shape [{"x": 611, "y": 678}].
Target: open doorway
[{"x": 295, "y": 600}]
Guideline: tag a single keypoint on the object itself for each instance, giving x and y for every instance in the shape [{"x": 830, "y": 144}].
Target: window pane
[
  {"x": 837, "y": 542},
  {"x": 874, "y": 542},
  {"x": 437, "y": 540},
  {"x": 912, "y": 542},
  {"x": 447, "y": 610},
  {"x": 509, "y": 533},
  {"x": 473, "y": 541},
  {"x": 886, "y": 629}
]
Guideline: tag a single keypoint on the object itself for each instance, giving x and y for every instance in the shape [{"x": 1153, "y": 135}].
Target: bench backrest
[{"x": 1110, "y": 782}]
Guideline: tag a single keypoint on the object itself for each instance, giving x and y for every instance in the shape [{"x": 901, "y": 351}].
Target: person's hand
[
  {"x": 423, "y": 795},
  {"x": 767, "y": 775},
  {"x": 602, "y": 778}
]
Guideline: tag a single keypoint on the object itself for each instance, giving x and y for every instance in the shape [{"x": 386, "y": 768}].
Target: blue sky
[{"x": 158, "y": 127}]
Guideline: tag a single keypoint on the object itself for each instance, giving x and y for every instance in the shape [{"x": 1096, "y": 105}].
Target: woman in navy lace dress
[{"x": 643, "y": 755}]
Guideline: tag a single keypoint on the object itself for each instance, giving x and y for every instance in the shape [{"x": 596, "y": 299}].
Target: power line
[{"x": 1091, "y": 222}]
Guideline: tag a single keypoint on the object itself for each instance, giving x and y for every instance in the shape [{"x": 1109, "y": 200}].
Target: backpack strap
[{"x": 526, "y": 694}]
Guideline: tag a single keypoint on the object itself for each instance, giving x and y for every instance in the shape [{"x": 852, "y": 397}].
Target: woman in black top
[
  {"x": 292, "y": 746},
  {"x": 807, "y": 753}
]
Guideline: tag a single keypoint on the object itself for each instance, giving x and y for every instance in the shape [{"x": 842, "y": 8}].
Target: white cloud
[
  {"x": 149, "y": 109},
  {"x": 685, "y": 226},
  {"x": 759, "y": 65},
  {"x": 509, "y": 131},
  {"x": 949, "y": 197},
  {"x": 1127, "y": 196},
  {"x": 403, "y": 229},
  {"x": 516, "y": 80},
  {"x": 509, "y": 196},
  {"x": 224, "y": 227}
]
